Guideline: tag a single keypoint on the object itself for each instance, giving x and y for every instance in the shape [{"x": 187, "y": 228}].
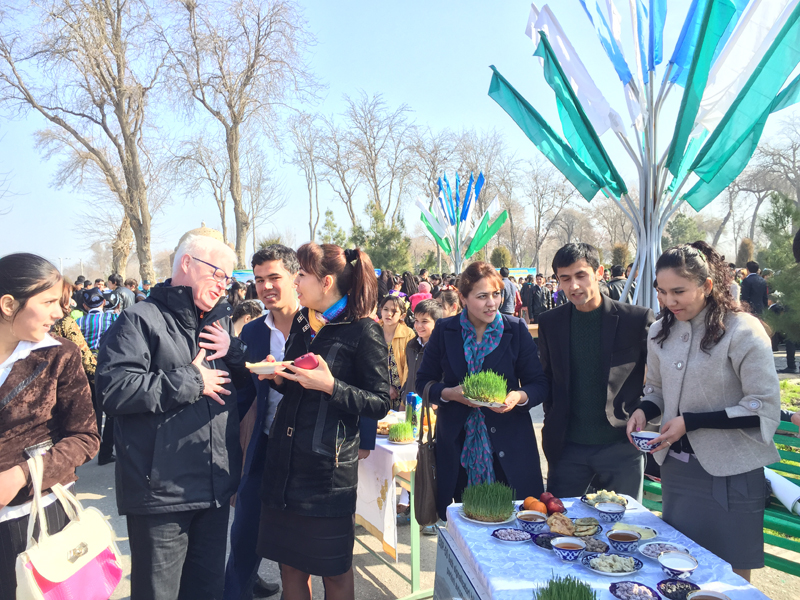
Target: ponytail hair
[
  {"x": 23, "y": 276},
  {"x": 351, "y": 269},
  {"x": 698, "y": 262}
]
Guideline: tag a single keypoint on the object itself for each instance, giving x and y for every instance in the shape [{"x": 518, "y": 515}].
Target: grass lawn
[{"x": 790, "y": 394}]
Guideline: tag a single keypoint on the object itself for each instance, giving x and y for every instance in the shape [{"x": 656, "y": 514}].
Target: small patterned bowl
[
  {"x": 624, "y": 546},
  {"x": 642, "y": 439},
  {"x": 568, "y": 554},
  {"x": 610, "y": 512},
  {"x": 678, "y": 565},
  {"x": 531, "y": 527}
]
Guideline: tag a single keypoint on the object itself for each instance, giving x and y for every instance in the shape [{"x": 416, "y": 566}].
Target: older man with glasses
[{"x": 167, "y": 371}]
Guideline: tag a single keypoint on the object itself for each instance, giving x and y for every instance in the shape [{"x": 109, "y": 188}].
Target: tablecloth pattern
[
  {"x": 511, "y": 572},
  {"x": 376, "y": 510}
]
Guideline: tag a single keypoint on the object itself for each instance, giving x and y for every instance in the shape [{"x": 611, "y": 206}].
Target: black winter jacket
[
  {"x": 312, "y": 453},
  {"x": 176, "y": 449}
]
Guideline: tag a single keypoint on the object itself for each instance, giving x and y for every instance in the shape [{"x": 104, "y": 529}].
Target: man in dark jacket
[
  {"x": 176, "y": 427},
  {"x": 539, "y": 301},
  {"x": 526, "y": 294},
  {"x": 754, "y": 290},
  {"x": 594, "y": 352},
  {"x": 616, "y": 285}
]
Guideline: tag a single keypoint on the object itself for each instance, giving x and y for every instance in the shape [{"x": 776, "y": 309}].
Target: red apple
[
  {"x": 554, "y": 506},
  {"x": 307, "y": 361},
  {"x": 545, "y": 497}
]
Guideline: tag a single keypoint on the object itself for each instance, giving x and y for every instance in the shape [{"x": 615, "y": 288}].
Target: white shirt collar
[
  {"x": 270, "y": 320},
  {"x": 24, "y": 348}
]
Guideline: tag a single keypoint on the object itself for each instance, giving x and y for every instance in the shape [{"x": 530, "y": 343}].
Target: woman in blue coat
[{"x": 475, "y": 445}]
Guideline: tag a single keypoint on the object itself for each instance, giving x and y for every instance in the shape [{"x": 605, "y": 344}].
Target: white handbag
[{"x": 80, "y": 561}]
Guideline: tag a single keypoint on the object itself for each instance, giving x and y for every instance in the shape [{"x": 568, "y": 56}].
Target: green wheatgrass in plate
[
  {"x": 401, "y": 432},
  {"x": 566, "y": 588},
  {"x": 488, "y": 502},
  {"x": 486, "y": 386}
]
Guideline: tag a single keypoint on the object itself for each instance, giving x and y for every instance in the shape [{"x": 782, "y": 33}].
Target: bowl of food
[
  {"x": 647, "y": 533},
  {"x": 624, "y": 540},
  {"x": 568, "y": 549},
  {"x": 706, "y": 595},
  {"x": 643, "y": 439},
  {"x": 610, "y": 512},
  {"x": 545, "y": 539},
  {"x": 632, "y": 590},
  {"x": 511, "y": 535},
  {"x": 678, "y": 565},
  {"x": 675, "y": 589},
  {"x": 652, "y": 550},
  {"x": 611, "y": 564},
  {"x": 531, "y": 521}
]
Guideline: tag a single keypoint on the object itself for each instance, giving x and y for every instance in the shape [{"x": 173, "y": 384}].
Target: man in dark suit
[
  {"x": 594, "y": 352},
  {"x": 274, "y": 268},
  {"x": 539, "y": 298},
  {"x": 754, "y": 290}
]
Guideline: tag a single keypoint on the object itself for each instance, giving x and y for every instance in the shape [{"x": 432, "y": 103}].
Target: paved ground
[{"x": 374, "y": 581}]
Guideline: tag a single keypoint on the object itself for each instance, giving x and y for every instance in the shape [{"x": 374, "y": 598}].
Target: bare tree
[
  {"x": 241, "y": 60},
  {"x": 382, "y": 139},
  {"x": 340, "y": 162},
  {"x": 88, "y": 67},
  {"x": 306, "y": 138},
  {"x": 201, "y": 166},
  {"x": 574, "y": 226},
  {"x": 434, "y": 152},
  {"x": 782, "y": 162},
  {"x": 548, "y": 195},
  {"x": 762, "y": 178},
  {"x": 264, "y": 196},
  {"x": 480, "y": 152},
  {"x": 612, "y": 222}
]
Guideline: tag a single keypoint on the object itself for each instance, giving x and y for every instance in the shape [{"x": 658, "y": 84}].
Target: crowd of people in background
[{"x": 194, "y": 429}]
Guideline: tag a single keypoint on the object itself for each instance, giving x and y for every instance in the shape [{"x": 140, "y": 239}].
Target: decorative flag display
[
  {"x": 733, "y": 61},
  {"x": 450, "y": 222}
]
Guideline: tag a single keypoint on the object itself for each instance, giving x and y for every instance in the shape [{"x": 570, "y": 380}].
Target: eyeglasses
[{"x": 219, "y": 275}]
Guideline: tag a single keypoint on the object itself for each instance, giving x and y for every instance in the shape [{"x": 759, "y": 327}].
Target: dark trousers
[
  {"x": 243, "y": 561},
  {"x": 791, "y": 348},
  {"x": 107, "y": 434},
  {"x": 179, "y": 555},
  {"x": 618, "y": 467},
  {"x": 12, "y": 542}
]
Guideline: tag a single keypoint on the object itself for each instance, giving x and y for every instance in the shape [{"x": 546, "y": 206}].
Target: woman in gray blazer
[{"x": 711, "y": 380}]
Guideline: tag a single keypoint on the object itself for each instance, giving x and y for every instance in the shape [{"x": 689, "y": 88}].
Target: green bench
[{"x": 776, "y": 517}]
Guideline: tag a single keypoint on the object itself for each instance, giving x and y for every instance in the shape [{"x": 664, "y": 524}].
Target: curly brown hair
[{"x": 699, "y": 261}]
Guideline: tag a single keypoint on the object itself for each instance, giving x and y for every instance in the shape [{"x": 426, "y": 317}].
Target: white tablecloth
[
  {"x": 510, "y": 572},
  {"x": 376, "y": 510}
]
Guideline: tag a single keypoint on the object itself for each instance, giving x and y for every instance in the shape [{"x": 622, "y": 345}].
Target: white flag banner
[
  {"x": 786, "y": 491},
  {"x": 757, "y": 29},
  {"x": 594, "y": 104}
]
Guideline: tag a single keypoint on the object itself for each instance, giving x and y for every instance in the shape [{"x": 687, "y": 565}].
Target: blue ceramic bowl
[
  {"x": 667, "y": 588},
  {"x": 610, "y": 512},
  {"x": 532, "y": 527},
  {"x": 678, "y": 565},
  {"x": 568, "y": 554},
  {"x": 642, "y": 439},
  {"x": 623, "y": 546}
]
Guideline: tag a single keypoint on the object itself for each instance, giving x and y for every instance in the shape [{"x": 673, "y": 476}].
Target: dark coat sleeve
[
  {"x": 125, "y": 382},
  {"x": 370, "y": 397},
  {"x": 547, "y": 367}
]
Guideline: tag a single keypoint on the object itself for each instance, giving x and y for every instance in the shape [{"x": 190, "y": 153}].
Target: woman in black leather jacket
[{"x": 309, "y": 488}]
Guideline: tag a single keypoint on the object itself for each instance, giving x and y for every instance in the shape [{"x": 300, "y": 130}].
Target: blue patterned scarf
[
  {"x": 476, "y": 456},
  {"x": 319, "y": 320}
]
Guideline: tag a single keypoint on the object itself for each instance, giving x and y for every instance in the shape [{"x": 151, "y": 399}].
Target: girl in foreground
[
  {"x": 45, "y": 404},
  {"x": 711, "y": 378}
]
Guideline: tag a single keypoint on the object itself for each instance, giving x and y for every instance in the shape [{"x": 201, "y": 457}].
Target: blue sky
[{"x": 433, "y": 56}]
